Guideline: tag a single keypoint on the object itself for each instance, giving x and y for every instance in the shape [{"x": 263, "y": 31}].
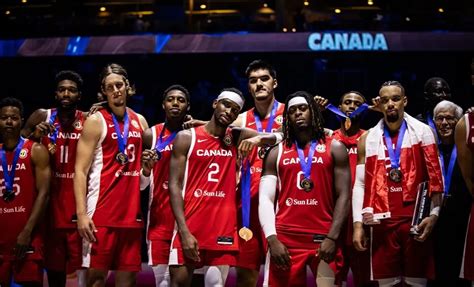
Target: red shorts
[
  {"x": 29, "y": 269},
  {"x": 114, "y": 249},
  {"x": 208, "y": 258},
  {"x": 158, "y": 252},
  {"x": 63, "y": 250},
  {"x": 396, "y": 253},
  {"x": 467, "y": 267},
  {"x": 296, "y": 275},
  {"x": 251, "y": 253}
]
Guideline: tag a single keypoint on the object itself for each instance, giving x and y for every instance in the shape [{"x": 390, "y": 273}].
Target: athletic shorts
[
  {"x": 158, "y": 252},
  {"x": 63, "y": 250},
  {"x": 296, "y": 274},
  {"x": 207, "y": 258},
  {"x": 251, "y": 253},
  {"x": 114, "y": 249},
  {"x": 29, "y": 269},
  {"x": 396, "y": 253}
]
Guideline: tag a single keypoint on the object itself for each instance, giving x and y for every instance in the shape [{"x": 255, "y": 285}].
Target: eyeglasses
[{"x": 449, "y": 119}]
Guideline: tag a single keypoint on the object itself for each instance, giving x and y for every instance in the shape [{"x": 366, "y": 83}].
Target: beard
[{"x": 392, "y": 118}]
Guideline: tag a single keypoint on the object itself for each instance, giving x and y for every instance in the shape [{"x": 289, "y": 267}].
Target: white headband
[
  {"x": 233, "y": 96},
  {"x": 297, "y": 101}
]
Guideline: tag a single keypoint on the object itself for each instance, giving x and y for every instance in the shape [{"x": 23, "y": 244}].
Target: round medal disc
[
  {"x": 245, "y": 233},
  {"x": 51, "y": 148},
  {"x": 158, "y": 154},
  {"x": 262, "y": 152},
  {"x": 395, "y": 175},
  {"x": 347, "y": 123},
  {"x": 8, "y": 195},
  {"x": 227, "y": 140},
  {"x": 307, "y": 184},
  {"x": 121, "y": 158}
]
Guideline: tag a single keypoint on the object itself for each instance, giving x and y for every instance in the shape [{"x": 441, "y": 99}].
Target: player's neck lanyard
[
  {"x": 269, "y": 126},
  {"x": 160, "y": 144},
  {"x": 121, "y": 137},
  {"x": 432, "y": 125},
  {"x": 54, "y": 134},
  {"x": 306, "y": 163},
  {"x": 361, "y": 109},
  {"x": 245, "y": 186},
  {"x": 395, "y": 154},
  {"x": 448, "y": 173},
  {"x": 9, "y": 176}
]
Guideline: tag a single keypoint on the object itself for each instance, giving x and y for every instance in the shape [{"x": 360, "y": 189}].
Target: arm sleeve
[
  {"x": 266, "y": 211},
  {"x": 358, "y": 193}
]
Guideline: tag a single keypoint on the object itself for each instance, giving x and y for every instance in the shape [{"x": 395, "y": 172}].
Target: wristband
[
  {"x": 435, "y": 211},
  {"x": 330, "y": 238}
]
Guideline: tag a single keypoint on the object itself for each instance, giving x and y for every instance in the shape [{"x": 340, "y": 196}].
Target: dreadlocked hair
[{"x": 317, "y": 121}]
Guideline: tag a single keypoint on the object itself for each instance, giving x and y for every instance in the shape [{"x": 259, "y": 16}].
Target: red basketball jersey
[
  {"x": 160, "y": 215},
  {"x": 209, "y": 192},
  {"x": 351, "y": 146},
  {"x": 15, "y": 214},
  {"x": 113, "y": 197},
  {"x": 256, "y": 162},
  {"x": 62, "y": 202},
  {"x": 470, "y": 131},
  {"x": 302, "y": 215}
]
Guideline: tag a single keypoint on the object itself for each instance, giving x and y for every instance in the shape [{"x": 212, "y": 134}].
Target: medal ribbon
[
  {"x": 9, "y": 176},
  {"x": 245, "y": 186},
  {"x": 258, "y": 122},
  {"x": 432, "y": 125},
  {"x": 52, "y": 119},
  {"x": 160, "y": 144},
  {"x": 449, "y": 172},
  {"x": 395, "y": 154},
  {"x": 306, "y": 164},
  {"x": 121, "y": 138},
  {"x": 362, "y": 108}
]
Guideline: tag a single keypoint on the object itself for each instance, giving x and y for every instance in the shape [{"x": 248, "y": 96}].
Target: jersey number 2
[{"x": 214, "y": 170}]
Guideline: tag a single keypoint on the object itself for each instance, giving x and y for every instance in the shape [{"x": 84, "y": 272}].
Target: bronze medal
[
  {"x": 52, "y": 148},
  {"x": 158, "y": 154},
  {"x": 227, "y": 140},
  {"x": 395, "y": 175},
  {"x": 8, "y": 195},
  {"x": 347, "y": 123},
  {"x": 121, "y": 158},
  {"x": 245, "y": 233},
  {"x": 307, "y": 184}
]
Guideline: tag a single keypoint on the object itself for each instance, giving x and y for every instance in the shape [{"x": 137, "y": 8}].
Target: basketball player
[
  {"x": 59, "y": 130},
  {"x": 464, "y": 137},
  {"x": 202, "y": 190},
  {"x": 107, "y": 184},
  {"x": 312, "y": 175},
  {"x": 385, "y": 190},
  {"x": 265, "y": 116},
  {"x": 24, "y": 188},
  {"x": 159, "y": 140}
]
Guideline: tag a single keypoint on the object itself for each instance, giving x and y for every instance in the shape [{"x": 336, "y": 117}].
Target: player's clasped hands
[{"x": 149, "y": 158}]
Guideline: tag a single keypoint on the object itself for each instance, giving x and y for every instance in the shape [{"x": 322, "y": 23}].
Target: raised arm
[
  {"x": 85, "y": 150},
  {"x": 342, "y": 184},
  {"x": 247, "y": 139},
  {"x": 181, "y": 146},
  {"x": 36, "y": 127},
  {"x": 40, "y": 159}
]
